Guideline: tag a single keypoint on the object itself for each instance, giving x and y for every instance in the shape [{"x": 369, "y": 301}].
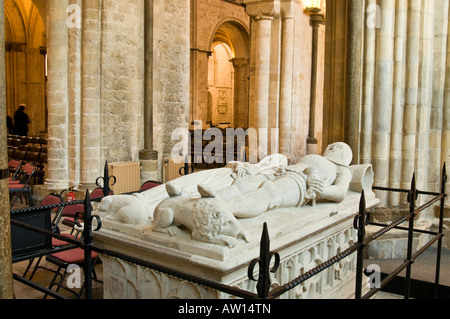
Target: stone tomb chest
[{"x": 303, "y": 236}]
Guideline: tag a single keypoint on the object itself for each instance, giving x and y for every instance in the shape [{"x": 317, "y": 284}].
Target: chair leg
[
  {"x": 30, "y": 262},
  {"x": 52, "y": 283},
  {"x": 11, "y": 197},
  {"x": 36, "y": 267}
]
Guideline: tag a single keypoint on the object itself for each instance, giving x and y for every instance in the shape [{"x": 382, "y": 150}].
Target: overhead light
[{"x": 314, "y": 6}]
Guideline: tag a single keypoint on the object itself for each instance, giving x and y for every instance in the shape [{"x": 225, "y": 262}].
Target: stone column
[
  {"x": 287, "y": 68},
  {"x": 261, "y": 13},
  {"x": 425, "y": 94},
  {"x": 445, "y": 142},
  {"x": 411, "y": 92},
  {"x": 395, "y": 165},
  {"x": 90, "y": 165},
  {"x": 148, "y": 156},
  {"x": 355, "y": 21},
  {"x": 241, "y": 92},
  {"x": 57, "y": 99},
  {"x": 6, "y": 281},
  {"x": 382, "y": 112},
  {"x": 316, "y": 21},
  {"x": 372, "y": 15},
  {"x": 74, "y": 92}
]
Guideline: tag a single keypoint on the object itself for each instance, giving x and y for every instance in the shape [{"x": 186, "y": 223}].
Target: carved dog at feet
[
  {"x": 208, "y": 217},
  {"x": 124, "y": 209}
]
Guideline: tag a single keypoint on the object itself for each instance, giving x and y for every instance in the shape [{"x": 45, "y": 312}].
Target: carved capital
[
  {"x": 239, "y": 62},
  {"x": 262, "y": 9},
  {"x": 288, "y": 8}
]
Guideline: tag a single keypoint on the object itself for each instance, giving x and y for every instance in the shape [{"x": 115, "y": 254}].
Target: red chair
[
  {"x": 14, "y": 170},
  {"x": 50, "y": 199},
  {"x": 149, "y": 185},
  {"x": 67, "y": 259},
  {"x": 68, "y": 214},
  {"x": 97, "y": 194},
  {"x": 23, "y": 187}
]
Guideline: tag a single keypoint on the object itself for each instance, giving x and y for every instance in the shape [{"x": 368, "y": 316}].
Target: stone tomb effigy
[{"x": 304, "y": 237}]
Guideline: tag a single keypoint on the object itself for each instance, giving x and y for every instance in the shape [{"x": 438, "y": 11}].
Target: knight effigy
[{"x": 208, "y": 223}]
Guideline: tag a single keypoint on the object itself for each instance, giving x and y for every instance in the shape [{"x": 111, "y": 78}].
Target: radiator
[
  {"x": 128, "y": 176},
  {"x": 171, "y": 168}
]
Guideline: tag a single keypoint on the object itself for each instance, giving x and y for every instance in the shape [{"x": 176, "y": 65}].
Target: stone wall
[
  {"x": 121, "y": 79},
  {"x": 95, "y": 88},
  {"x": 171, "y": 72}
]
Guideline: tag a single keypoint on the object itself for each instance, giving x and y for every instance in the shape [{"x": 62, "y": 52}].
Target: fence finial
[{"x": 265, "y": 256}]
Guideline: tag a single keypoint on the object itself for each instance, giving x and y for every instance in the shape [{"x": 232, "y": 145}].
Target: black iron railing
[{"x": 263, "y": 262}]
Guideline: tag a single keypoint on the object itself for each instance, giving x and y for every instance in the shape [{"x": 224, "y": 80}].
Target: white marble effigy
[{"x": 304, "y": 237}]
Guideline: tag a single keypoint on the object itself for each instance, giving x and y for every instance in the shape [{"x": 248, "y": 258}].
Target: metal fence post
[
  {"x": 87, "y": 237},
  {"x": 359, "y": 223},
  {"x": 441, "y": 221},
  {"x": 106, "y": 180},
  {"x": 412, "y": 197},
  {"x": 265, "y": 256}
]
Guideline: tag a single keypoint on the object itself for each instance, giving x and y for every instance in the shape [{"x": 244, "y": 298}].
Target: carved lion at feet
[{"x": 207, "y": 217}]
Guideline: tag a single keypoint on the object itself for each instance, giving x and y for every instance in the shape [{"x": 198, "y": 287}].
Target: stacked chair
[
  {"x": 20, "y": 184},
  {"x": 65, "y": 260},
  {"x": 67, "y": 255}
]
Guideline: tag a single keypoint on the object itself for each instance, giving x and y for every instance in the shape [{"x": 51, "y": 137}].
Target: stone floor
[{"x": 44, "y": 277}]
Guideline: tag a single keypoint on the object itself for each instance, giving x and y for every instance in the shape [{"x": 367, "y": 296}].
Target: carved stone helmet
[{"x": 339, "y": 153}]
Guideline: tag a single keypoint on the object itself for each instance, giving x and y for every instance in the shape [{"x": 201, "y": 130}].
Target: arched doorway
[
  {"x": 228, "y": 72},
  {"x": 25, "y": 59},
  {"x": 221, "y": 86},
  {"x": 219, "y": 77}
]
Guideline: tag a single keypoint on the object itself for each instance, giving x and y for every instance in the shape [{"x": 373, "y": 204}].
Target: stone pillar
[
  {"x": 316, "y": 21},
  {"x": 261, "y": 13},
  {"x": 171, "y": 83},
  {"x": 382, "y": 113},
  {"x": 74, "y": 93},
  {"x": 411, "y": 92},
  {"x": 241, "y": 92},
  {"x": 6, "y": 279},
  {"x": 445, "y": 142},
  {"x": 355, "y": 21},
  {"x": 90, "y": 165},
  {"x": 425, "y": 94},
  {"x": 148, "y": 156},
  {"x": 287, "y": 68},
  {"x": 395, "y": 165},
  {"x": 368, "y": 82},
  {"x": 57, "y": 99}
]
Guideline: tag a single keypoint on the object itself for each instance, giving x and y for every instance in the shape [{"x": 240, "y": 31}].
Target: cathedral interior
[{"x": 114, "y": 81}]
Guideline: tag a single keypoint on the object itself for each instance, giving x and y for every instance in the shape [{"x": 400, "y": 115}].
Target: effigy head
[{"x": 339, "y": 153}]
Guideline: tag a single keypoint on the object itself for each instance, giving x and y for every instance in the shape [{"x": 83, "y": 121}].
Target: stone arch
[
  {"x": 237, "y": 35},
  {"x": 234, "y": 34}
]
